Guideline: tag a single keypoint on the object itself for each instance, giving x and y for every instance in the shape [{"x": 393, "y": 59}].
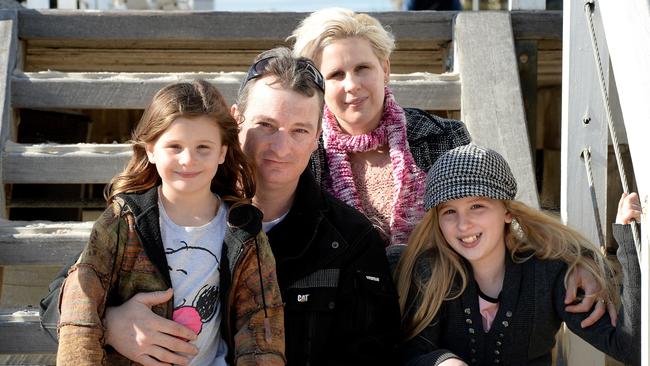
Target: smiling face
[
  {"x": 475, "y": 228},
  {"x": 187, "y": 156},
  {"x": 354, "y": 83},
  {"x": 279, "y": 131}
]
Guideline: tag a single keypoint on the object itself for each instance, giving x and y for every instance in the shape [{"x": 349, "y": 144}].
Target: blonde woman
[
  {"x": 483, "y": 278},
  {"x": 367, "y": 158},
  {"x": 374, "y": 154}
]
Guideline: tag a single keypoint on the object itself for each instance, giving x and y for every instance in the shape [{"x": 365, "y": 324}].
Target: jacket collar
[
  {"x": 295, "y": 240},
  {"x": 308, "y": 199},
  {"x": 244, "y": 222},
  {"x": 509, "y": 298},
  {"x": 144, "y": 207}
]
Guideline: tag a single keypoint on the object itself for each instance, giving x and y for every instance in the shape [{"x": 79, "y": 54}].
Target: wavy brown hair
[
  {"x": 234, "y": 180},
  {"x": 532, "y": 233}
]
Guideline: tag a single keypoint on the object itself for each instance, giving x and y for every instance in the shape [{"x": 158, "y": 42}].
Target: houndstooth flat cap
[{"x": 467, "y": 171}]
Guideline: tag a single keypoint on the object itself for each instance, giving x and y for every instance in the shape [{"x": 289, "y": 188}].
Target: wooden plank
[
  {"x": 105, "y": 90},
  {"x": 134, "y": 91},
  {"x": 26, "y": 284},
  {"x": 537, "y": 24},
  {"x": 84, "y": 203},
  {"x": 631, "y": 62},
  {"x": 62, "y": 57},
  {"x": 219, "y": 26},
  {"x": 41, "y": 243},
  {"x": 53, "y": 163},
  {"x": 20, "y": 333},
  {"x": 526, "y": 55},
  {"x": 8, "y": 45},
  {"x": 583, "y": 126},
  {"x": 211, "y": 26},
  {"x": 491, "y": 102},
  {"x": 23, "y": 359},
  {"x": 427, "y": 91}
]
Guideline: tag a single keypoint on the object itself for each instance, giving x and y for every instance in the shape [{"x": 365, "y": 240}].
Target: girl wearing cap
[{"x": 482, "y": 280}]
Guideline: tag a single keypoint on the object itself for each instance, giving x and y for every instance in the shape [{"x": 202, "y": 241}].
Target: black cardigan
[{"x": 530, "y": 313}]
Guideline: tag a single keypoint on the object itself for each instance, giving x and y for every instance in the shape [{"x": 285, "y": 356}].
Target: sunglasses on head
[{"x": 258, "y": 68}]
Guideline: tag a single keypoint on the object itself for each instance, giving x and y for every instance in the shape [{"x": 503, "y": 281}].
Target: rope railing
[{"x": 589, "y": 10}]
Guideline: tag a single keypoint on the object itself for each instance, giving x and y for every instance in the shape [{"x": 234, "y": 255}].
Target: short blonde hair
[{"x": 323, "y": 27}]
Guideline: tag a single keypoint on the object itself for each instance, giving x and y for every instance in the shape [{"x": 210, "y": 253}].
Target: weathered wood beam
[
  {"x": 41, "y": 243},
  {"x": 86, "y": 203},
  {"x": 491, "y": 98},
  {"x": 187, "y": 56},
  {"x": 215, "y": 26},
  {"x": 21, "y": 333},
  {"x": 135, "y": 90},
  {"x": 53, "y": 163},
  {"x": 157, "y": 25},
  {"x": 538, "y": 25}
]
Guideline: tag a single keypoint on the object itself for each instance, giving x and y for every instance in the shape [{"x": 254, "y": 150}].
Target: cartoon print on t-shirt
[{"x": 204, "y": 305}]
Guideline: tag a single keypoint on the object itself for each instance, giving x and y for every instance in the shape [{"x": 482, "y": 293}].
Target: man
[{"x": 341, "y": 305}]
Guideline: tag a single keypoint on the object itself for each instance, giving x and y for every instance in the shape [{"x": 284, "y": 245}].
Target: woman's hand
[
  {"x": 582, "y": 278},
  {"x": 140, "y": 335}
]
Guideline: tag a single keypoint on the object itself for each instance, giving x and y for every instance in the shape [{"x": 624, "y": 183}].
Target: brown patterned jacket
[{"x": 125, "y": 256}]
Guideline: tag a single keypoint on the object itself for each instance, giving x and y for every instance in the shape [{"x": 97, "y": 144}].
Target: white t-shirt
[
  {"x": 194, "y": 256},
  {"x": 268, "y": 225}
]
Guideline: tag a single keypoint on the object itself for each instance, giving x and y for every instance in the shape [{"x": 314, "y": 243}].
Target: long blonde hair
[
  {"x": 234, "y": 180},
  {"x": 532, "y": 231}
]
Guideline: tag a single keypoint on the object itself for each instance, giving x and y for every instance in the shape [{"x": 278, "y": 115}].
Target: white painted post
[
  {"x": 627, "y": 29},
  {"x": 526, "y": 4},
  {"x": 584, "y": 125}
]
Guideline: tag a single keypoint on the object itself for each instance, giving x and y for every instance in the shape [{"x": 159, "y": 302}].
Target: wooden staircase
[{"x": 67, "y": 60}]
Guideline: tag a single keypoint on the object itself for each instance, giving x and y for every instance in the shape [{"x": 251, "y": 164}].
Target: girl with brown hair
[{"x": 179, "y": 218}]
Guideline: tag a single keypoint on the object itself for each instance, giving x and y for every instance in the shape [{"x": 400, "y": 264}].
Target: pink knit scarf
[{"x": 408, "y": 179}]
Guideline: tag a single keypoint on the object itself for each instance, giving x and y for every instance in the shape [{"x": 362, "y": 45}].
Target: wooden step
[
  {"x": 22, "y": 340},
  {"x": 84, "y": 203},
  {"x": 51, "y": 89},
  {"x": 57, "y": 163},
  {"x": 41, "y": 243},
  {"x": 207, "y": 26},
  {"x": 144, "y": 26}
]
